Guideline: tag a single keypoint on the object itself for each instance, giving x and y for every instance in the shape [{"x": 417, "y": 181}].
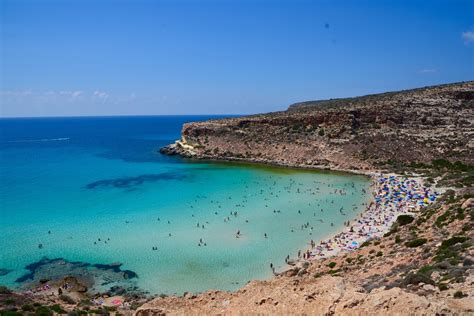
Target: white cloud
[
  {"x": 16, "y": 93},
  {"x": 101, "y": 95},
  {"x": 76, "y": 94},
  {"x": 468, "y": 37},
  {"x": 427, "y": 71}
]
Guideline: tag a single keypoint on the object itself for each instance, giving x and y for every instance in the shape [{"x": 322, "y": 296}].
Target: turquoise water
[{"x": 88, "y": 178}]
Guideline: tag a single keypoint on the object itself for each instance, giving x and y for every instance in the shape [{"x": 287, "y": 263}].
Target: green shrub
[
  {"x": 403, "y": 220},
  {"x": 9, "y": 313},
  {"x": 452, "y": 241},
  {"x": 333, "y": 272},
  {"x": 447, "y": 251},
  {"x": 27, "y": 308},
  {"x": 415, "y": 242},
  {"x": 43, "y": 311},
  {"x": 426, "y": 269},
  {"x": 67, "y": 299},
  {"x": 331, "y": 264},
  {"x": 458, "y": 294},
  {"x": 440, "y": 221},
  {"x": 57, "y": 309},
  {"x": 442, "y": 286},
  {"x": 9, "y": 301},
  {"x": 379, "y": 254},
  {"x": 318, "y": 274},
  {"x": 398, "y": 239}
]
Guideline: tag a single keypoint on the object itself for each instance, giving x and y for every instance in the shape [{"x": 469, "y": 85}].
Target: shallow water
[{"x": 82, "y": 179}]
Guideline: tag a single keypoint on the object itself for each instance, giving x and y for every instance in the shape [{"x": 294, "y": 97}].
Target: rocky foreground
[{"x": 424, "y": 265}]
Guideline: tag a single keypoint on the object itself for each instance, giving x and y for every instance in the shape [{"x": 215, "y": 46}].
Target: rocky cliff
[{"x": 353, "y": 133}]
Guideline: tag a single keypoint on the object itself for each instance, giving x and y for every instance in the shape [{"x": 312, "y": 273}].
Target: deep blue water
[{"x": 102, "y": 177}]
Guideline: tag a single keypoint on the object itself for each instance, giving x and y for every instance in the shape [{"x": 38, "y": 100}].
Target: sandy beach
[{"x": 392, "y": 195}]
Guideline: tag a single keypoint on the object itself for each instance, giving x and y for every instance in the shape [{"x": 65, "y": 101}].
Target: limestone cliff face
[{"x": 355, "y": 133}]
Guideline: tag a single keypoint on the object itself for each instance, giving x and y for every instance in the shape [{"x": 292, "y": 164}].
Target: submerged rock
[{"x": 81, "y": 276}]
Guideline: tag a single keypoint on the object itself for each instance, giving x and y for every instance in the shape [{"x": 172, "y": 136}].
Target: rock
[
  {"x": 169, "y": 150},
  {"x": 116, "y": 290},
  {"x": 291, "y": 272},
  {"x": 467, "y": 262},
  {"x": 468, "y": 204},
  {"x": 429, "y": 287}
]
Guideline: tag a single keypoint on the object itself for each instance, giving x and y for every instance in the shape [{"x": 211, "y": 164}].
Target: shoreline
[{"x": 377, "y": 218}]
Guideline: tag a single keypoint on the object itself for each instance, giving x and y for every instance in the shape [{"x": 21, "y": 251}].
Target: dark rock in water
[
  {"x": 44, "y": 263},
  {"x": 128, "y": 274},
  {"x": 133, "y": 182},
  {"x": 4, "y": 271},
  {"x": 113, "y": 266},
  {"x": 75, "y": 283},
  {"x": 116, "y": 290},
  {"x": 169, "y": 150},
  {"x": 80, "y": 276}
]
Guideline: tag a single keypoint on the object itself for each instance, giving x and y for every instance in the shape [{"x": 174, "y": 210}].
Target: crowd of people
[{"x": 393, "y": 196}]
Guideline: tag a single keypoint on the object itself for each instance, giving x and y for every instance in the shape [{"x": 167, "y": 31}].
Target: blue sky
[{"x": 61, "y": 58}]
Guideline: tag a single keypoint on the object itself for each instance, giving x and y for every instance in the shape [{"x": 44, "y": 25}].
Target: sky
[{"x": 104, "y": 57}]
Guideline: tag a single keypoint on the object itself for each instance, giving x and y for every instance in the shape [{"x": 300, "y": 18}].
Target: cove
[{"x": 103, "y": 195}]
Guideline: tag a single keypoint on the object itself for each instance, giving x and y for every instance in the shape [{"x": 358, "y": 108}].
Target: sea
[{"x": 97, "y": 190}]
